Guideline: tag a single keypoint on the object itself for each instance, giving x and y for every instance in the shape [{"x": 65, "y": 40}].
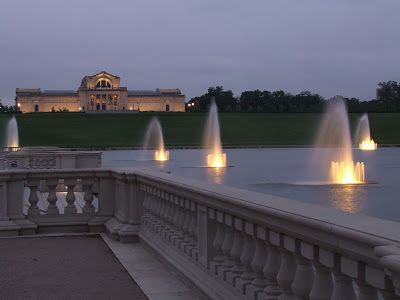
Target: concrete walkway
[
  {"x": 158, "y": 279},
  {"x": 64, "y": 267}
]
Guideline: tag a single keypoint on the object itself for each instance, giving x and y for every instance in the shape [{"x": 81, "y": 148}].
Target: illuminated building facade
[{"x": 99, "y": 92}]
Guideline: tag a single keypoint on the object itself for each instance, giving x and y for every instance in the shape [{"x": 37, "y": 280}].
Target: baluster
[
  {"x": 185, "y": 227},
  {"x": 164, "y": 213},
  {"x": 150, "y": 212},
  {"x": 272, "y": 266},
  {"x": 343, "y": 287},
  {"x": 343, "y": 284},
  {"x": 321, "y": 288},
  {"x": 194, "y": 250},
  {"x": 160, "y": 222},
  {"x": 366, "y": 291},
  {"x": 160, "y": 214},
  {"x": 226, "y": 248},
  {"x": 163, "y": 208},
  {"x": 156, "y": 212},
  {"x": 388, "y": 295},
  {"x": 217, "y": 243},
  {"x": 173, "y": 211},
  {"x": 286, "y": 274},
  {"x": 237, "y": 268},
  {"x": 176, "y": 239},
  {"x": 247, "y": 255},
  {"x": 304, "y": 276},
  {"x": 33, "y": 198},
  {"x": 87, "y": 185},
  {"x": 259, "y": 283},
  {"x": 52, "y": 209},
  {"x": 165, "y": 227},
  {"x": 287, "y": 268},
  {"x": 145, "y": 215},
  {"x": 70, "y": 197},
  {"x": 186, "y": 217},
  {"x": 160, "y": 202},
  {"x": 175, "y": 232}
]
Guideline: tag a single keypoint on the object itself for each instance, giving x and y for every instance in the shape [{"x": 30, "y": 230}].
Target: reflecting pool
[{"x": 286, "y": 172}]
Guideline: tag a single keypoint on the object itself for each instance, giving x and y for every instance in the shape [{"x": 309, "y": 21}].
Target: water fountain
[
  {"x": 154, "y": 139},
  {"x": 363, "y": 135},
  {"x": 334, "y": 145},
  {"x": 11, "y": 134},
  {"x": 215, "y": 158}
]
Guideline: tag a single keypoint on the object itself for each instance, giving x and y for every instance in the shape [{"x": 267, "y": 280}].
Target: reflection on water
[
  {"x": 216, "y": 175},
  {"x": 286, "y": 173},
  {"x": 343, "y": 198}
]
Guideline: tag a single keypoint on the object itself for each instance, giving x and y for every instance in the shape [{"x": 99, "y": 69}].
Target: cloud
[{"x": 329, "y": 47}]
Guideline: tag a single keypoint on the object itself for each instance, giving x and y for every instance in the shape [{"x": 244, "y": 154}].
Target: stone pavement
[
  {"x": 158, "y": 279},
  {"x": 63, "y": 267}
]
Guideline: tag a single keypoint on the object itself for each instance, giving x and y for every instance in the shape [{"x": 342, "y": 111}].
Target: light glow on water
[
  {"x": 368, "y": 145},
  {"x": 347, "y": 172},
  {"x": 216, "y": 160},
  {"x": 161, "y": 155}
]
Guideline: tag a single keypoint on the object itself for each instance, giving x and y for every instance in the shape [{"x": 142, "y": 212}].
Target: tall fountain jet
[
  {"x": 363, "y": 135},
  {"x": 154, "y": 139},
  {"x": 215, "y": 157},
  {"x": 334, "y": 145},
  {"x": 11, "y": 136}
]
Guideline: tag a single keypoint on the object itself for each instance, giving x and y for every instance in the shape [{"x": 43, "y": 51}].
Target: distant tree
[
  {"x": 252, "y": 101},
  {"x": 225, "y": 100},
  {"x": 389, "y": 93},
  {"x": 388, "y": 100},
  {"x": 8, "y": 109}
]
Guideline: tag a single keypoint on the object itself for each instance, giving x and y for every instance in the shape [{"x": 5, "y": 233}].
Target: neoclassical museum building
[{"x": 99, "y": 92}]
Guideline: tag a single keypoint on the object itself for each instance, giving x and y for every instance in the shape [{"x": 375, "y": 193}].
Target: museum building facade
[{"x": 99, "y": 92}]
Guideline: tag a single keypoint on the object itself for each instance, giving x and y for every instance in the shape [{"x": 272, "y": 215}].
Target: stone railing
[
  {"x": 231, "y": 243},
  {"x": 31, "y": 202},
  {"x": 263, "y": 247},
  {"x": 49, "y": 158}
]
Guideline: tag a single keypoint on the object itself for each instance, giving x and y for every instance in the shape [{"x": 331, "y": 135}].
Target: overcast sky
[{"x": 326, "y": 46}]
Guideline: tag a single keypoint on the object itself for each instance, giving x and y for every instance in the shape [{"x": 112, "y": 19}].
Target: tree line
[
  {"x": 387, "y": 100},
  {"x": 8, "y": 109}
]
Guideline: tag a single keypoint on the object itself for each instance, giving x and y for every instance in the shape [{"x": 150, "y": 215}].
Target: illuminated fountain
[
  {"x": 215, "y": 158},
  {"x": 154, "y": 139},
  {"x": 333, "y": 145},
  {"x": 363, "y": 135},
  {"x": 11, "y": 134}
]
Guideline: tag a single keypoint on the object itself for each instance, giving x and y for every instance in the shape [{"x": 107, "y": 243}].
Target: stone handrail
[
  {"x": 232, "y": 243},
  {"x": 265, "y": 246}
]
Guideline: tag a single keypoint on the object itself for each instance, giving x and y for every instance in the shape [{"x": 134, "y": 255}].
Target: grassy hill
[{"x": 183, "y": 129}]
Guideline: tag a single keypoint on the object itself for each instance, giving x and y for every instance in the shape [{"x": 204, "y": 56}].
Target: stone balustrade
[{"x": 232, "y": 243}]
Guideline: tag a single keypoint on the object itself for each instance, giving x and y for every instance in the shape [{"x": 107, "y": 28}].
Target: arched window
[
  {"x": 36, "y": 107},
  {"x": 103, "y": 83},
  {"x": 167, "y": 107}
]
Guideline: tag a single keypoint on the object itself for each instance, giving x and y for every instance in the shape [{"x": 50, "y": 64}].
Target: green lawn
[{"x": 183, "y": 129}]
